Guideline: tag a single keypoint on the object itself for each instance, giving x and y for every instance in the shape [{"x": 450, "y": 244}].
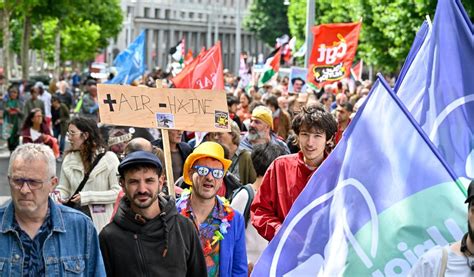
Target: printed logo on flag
[{"x": 332, "y": 54}]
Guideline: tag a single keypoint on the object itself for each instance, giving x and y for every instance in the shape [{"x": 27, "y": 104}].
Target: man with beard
[
  {"x": 287, "y": 175},
  {"x": 260, "y": 130},
  {"x": 221, "y": 229},
  {"x": 147, "y": 236},
  {"x": 456, "y": 259}
]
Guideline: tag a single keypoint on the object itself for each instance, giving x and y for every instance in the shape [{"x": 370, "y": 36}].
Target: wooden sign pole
[{"x": 167, "y": 152}]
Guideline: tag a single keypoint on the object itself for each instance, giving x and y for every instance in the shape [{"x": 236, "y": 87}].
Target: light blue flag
[
  {"x": 130, "y": 63},
  {"x": 438, "y": 87},
  {"x": 376, "y": 204}
]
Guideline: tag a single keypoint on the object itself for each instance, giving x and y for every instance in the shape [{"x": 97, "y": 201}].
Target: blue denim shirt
[{"x": 71, "y": 249}]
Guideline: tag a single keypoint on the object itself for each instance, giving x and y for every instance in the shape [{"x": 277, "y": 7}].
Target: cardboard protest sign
[{"x": 180, "y": 109}]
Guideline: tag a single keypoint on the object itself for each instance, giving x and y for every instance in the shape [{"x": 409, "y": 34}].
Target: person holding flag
[{"x": 288, "y": 175}]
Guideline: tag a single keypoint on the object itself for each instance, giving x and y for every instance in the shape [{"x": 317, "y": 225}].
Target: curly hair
[
  {"x": 92, "y": 143},
  {"x": 315, "y": 117}
]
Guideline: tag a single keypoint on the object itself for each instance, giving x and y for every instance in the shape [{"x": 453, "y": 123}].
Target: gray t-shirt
[{"x": 430, "y": 264}]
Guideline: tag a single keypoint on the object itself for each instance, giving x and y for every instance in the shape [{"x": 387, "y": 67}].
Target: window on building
[
  {"x": 129, "y": 10},
  {"x": 167, "y": 14},
  {"x": 191, "y": 15},
  {"x": 182, "y": 15},
  {"x": 157, "y": 13},
  {"x": 146, "y": 13}
]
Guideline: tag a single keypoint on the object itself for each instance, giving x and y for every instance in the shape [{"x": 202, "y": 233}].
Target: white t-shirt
[
  {"x": 254, "y": 242},
  {"x": 46, "y": 97},
  {"x": 430, "y": 264},
  {"x": 34, "y": 134}
]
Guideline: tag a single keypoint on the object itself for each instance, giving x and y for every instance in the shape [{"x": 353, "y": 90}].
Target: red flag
[
  {"x": 332, "y": 53},
  {"x": 204, "y": 72},
  {"x": 356, "y": 71}
]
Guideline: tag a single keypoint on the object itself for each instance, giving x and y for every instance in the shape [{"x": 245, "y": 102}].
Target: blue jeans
[{"x": 62, "y": 140}]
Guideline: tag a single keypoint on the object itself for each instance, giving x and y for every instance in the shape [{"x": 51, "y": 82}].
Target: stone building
[{"x": 200, "y": 22}]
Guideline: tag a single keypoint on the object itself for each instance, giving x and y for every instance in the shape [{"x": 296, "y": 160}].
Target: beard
[
  {"x": 255, "y": 135},
  {"x": 470, "y": 232}
]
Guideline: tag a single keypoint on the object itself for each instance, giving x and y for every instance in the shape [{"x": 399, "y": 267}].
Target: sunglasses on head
[{"x": 204, "y": 171}]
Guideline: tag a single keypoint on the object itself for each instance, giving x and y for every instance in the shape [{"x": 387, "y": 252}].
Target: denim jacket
[{"x": 71, "y": 249}]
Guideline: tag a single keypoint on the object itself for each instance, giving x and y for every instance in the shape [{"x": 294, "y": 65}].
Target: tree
[{"x": 268, "y": 20}]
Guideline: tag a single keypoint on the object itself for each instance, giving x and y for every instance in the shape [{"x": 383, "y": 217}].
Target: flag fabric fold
[
  {"x": 130, "y": 63},
  {"x": 272, "y": 66},
  {"x": 204, "y": 72},
  {"x": 437, "y": 86},
  {"x": 368, "y": 209}
]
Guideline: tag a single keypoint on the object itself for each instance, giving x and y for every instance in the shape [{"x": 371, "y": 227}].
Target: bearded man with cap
[
  {"x": 147, "y": 236},
  {"x": 260, "y": 130},
  {"x": 221, "y": 229},
  {"x": 456, "y": 259}
]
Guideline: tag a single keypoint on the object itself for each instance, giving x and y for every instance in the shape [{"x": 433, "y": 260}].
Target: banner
[
  {"x": 204, "y": 72},
  {"x": 379, "y": 201},
  {"x": 130, "y": 63},
  {"x": 332, "y": 54},
  {"x": 437, "y": 85}
]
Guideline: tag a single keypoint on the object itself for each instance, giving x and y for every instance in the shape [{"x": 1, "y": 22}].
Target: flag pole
[
  {"x": 310, "y": 7},
  {"x": 167, "y": 154}
]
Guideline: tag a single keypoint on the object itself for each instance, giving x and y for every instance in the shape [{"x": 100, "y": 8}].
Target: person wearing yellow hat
[
  {"x": 260, "y": 130},
  {"x": 221, "y": 229}
]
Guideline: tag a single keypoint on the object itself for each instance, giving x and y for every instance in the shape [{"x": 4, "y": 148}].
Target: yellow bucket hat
[{"x": 208, "y": 149}]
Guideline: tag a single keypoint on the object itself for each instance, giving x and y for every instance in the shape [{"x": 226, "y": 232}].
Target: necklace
[{"x": 225, "y": 216}]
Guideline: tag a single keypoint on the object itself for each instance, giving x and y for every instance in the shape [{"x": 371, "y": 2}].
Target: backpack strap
[
  {"x": 251, "y": 193},
  {"x": 444, "y": 262}
]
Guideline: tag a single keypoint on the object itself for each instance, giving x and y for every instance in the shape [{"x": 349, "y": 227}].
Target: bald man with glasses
[{"x": 37, "y": 236}]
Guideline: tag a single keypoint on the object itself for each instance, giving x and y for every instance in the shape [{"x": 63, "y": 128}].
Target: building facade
[{"x": 200, "y": 22}]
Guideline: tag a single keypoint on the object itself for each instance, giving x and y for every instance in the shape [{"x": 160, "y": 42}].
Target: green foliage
[
  {"x": 80, "y": 41},
  {"x": 388, "y": 27},
  {"x": 268, "y": 20}
]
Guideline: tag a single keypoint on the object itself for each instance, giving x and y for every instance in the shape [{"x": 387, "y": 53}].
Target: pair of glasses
[
  {"x": 72, "y": 133},
  {"x": 204, "y": 171},
  {"x": 32, "y": 184}
]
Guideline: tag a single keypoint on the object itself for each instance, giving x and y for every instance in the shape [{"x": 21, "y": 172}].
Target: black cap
[
  {"x": 139, "y": 157},
  {"x": 470, "y": 192}
]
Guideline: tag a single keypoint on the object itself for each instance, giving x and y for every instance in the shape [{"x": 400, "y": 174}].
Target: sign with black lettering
[{"x": 181, "y": 109}]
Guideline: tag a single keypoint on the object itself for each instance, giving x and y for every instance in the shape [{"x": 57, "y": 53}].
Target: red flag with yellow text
[
  {"x": 332, "y": 53},
  {"x": 204, "y": 72}
]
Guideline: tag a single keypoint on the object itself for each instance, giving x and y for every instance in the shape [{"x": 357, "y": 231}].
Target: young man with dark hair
[
  {"x": 343, "y": 115},
  {"x": 288, "y": 175},
  {"x": 147, "y": 236}
]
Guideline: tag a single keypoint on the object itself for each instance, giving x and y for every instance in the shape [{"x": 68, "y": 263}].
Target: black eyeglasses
[
  {"x": 217, "y": 173},
  {"x": 32, "y": 184}
]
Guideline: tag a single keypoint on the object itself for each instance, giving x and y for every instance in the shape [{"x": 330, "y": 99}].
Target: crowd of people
[{"x": 233, "y": 190}]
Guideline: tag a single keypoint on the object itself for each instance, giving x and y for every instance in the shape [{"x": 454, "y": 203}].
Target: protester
[
  {"x": 64, "y": 95},
  {"x": 33, "y": 102},
  {"x": 12, "y": 119},
  {"x": 262, "y": 156},
  {"x": 260, "y": 130},
  {"x": 179, "y": 151},
  {"x": 221, "y": 229},
  {"x": 241, "y": 162},
  {"x": 60, "y": 118},
  {"x": 455, "y": 259},
  {"x": 243, "y": 111},
  {"x": 35, "y": 130},
  {"x": 281, "y": 119},
  {"x": 44, "y": 96},
  {"x": 88, "y": 160},
  {"x": 232, "y": 105},
  {"x": 39, "y": 237},
  {"x": 343, "y": 114},
  {"x": 90, "y": 105},
  {"x": 288, "y": 175},
  {"x": 147, "y": 236}
]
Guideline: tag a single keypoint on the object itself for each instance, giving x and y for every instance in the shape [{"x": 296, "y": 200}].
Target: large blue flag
[
  {"x": 130, "y": 63},
  {"x": 438, "y": 87},
  {"x": 376, "y": 204}
]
